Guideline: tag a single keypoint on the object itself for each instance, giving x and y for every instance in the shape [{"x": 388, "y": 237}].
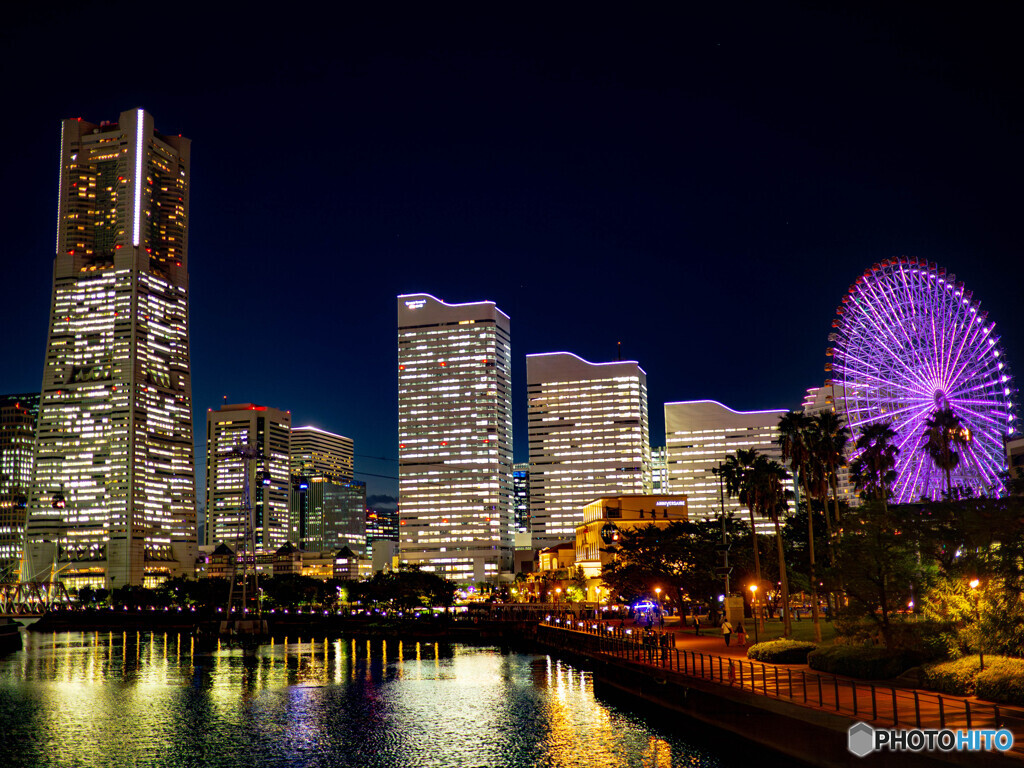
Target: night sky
[{"x": 701, "y": 184}]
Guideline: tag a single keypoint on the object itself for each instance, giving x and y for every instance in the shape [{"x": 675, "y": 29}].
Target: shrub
[
  {"x": 1001, "y": 681},
  {"x": 781, "y": 651},
  {"x": 955, "y": 677},
  {"x": 856, "y": 661}
]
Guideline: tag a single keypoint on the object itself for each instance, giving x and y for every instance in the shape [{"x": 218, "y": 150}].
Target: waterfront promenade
[{"x": 679, "y": 651}]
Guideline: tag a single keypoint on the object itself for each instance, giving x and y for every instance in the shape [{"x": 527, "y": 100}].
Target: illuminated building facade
[
  {"x": 701, "y": 434},
  {"x": 318, "y": 453},
  {"x": 328, "y": 514},
  {"x": 604, "y": 519},
  {"x": 18, "y": 415},
  {"x": 113, "y": 491},
  {"x": 268, "y": 430},
  {"x": 521, "y": 497},
  {"x": 588, "y": 438},
  {"x": 659, "y": 469},
  {"x": 455, "y": 437},
  {"x": 381, "y": 525}
]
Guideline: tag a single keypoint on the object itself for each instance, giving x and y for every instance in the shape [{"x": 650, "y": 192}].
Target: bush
[
  {"x": 856, "y": 661},
  {"x": 956, "y": 677},
  {"x": 1001, "y": 681},
  {"x": 781, "y": 651},
  {"x": 927, "y": 640}
]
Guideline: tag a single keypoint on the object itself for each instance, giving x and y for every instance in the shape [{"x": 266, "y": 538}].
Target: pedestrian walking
[
  {"x": 741, "y": 635},
  {"x": 696, "y": 625},
  {"x": 727, "y": 631},
  {"x": 661, "y": 620}
]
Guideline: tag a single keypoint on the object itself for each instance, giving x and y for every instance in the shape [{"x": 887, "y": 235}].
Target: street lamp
[
  {"x": 558, "y": 594},
  {"x": 753, "y": 609},
  {"x": 974, "y": 584}
]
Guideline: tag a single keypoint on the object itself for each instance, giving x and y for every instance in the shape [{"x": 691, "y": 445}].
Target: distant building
[
  {"x": 327, "y": 514},
  {"x": 381, "y": 525},
  {"x": 659, "y": 469},
  {"x": 268, "y": 431},
  {"x": 455, "y": 437},
  {"x": 17, "y": 443},
  {"x": 604, "y": 519},
  {"x": 318, "y": 453},
  {"x": 112, "y": 499},
  {"x": 521, "y": 496},
  {"x": 588, "y": 438},
  {"x": 700, "y": 435}
]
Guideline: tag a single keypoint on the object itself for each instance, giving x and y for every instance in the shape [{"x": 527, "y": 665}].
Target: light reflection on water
[{"x": 138, "y": 699}]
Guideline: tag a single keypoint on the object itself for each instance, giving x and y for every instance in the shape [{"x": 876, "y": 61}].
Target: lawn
[{"x": 802, "y": 630}]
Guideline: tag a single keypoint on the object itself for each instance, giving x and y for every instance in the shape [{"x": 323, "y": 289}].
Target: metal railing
[{"x": 878, "y": 703}]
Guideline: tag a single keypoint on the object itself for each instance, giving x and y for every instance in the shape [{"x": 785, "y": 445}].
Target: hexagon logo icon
[{"x": 861, "y": 739}]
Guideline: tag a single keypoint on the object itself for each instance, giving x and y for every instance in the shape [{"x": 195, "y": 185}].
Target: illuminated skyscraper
[
  {"x": 521, "y": 497},
  {"x": 454, "y": 437},
  {"x": 17, "y": 444},
  {"x": 588, "y": 438},
  {"x": 700, "y": 434},
  {"x": 268, "y": 431},
  {"x": 113, "y": 492},
  {"x": 318, "y": 452}
]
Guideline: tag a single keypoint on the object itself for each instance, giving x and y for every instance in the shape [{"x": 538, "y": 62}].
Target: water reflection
[{"x": 138, "y": 699}]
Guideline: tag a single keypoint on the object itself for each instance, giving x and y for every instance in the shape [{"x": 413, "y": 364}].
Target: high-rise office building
[
  {"x": 659, "y": 469},
  {"x": 588, "y": 438},
  {"x": 113, "y": 491},
  {"x": 17, "y": 444},
  {"x": 381, "y": 525},
  {"x": 319, "y": 453},
  {"x": 328, "y": 514},
  {"x": 701, "y": 434},
  {"x": 521, "y": 497},
  {"x": 267, "y": 431},
  {"x": 455, "y": 437}
]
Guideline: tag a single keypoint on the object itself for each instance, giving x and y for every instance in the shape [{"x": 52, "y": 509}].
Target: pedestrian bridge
[{"x": 28, "y": 599}]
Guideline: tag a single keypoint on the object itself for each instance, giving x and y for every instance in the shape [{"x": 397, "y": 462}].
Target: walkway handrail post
[
  {"x": 942, "y": 714},
  {"x": 835, "y": 682},
  {"x": 895, "y": 708},
  {"x": 967, "y": 711},
  {"x": 853, "y": 687},
  {"x": 917, "y": 709},
  {"x": 874, "y": 703}
]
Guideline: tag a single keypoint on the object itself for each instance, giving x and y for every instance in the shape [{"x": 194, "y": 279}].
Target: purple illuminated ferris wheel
[{"x": 908, "y": 340}]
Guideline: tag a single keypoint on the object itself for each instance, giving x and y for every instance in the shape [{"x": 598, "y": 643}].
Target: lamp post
[
  {"x": 558, "y": 594},
  {"x": 974, "y": 584},
  {"x": 753, "y": 609}
]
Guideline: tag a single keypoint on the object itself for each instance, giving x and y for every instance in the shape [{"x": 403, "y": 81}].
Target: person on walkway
[
  {"x": 696, "y": 625},
  {"x": 661, "y": 620},
  {"x": 727, "y": 631},
  {"x": 741, "y": 635}
]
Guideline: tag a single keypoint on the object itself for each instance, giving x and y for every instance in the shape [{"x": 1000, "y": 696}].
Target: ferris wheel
[{"x": 908, "y": 340}]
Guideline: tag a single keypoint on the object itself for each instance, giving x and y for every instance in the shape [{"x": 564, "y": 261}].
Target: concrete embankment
[{"x": 807, "y": 734}]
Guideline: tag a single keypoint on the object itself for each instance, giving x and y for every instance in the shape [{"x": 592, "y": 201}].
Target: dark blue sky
[{"x": 701, "y": 184}]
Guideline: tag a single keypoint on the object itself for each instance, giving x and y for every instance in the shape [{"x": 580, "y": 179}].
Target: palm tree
[
  {"x": 795, "y": 438},
  {"x": 766, "y": 481},
  {"x": 736, "y": 473},
  {"x": 944, "y": 432},
  {"x": 834, "y": 435},
  {"x": 873, "y": 471}
]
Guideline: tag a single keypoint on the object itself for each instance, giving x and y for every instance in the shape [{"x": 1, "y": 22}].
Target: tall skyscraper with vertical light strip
[
  {"x": 454, "y": 437},
  {"x": 113, "y": 496},
  {"x": 589, "y": 438}
]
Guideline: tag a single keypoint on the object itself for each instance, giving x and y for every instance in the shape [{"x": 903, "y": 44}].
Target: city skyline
[{"x": 702, "y": 160}]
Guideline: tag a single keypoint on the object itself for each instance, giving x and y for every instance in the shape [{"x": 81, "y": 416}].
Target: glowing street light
[{"x": 753, "y": 609}]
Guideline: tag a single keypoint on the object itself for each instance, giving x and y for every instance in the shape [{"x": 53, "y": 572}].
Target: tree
[
  {"x": 796, "y": 438},
  {"x": 736, "y": 472},
  {"x": 830, "y": 448},
  {"x": 943, "y": 434},
  {"x": 879, "y": 565},
  {"x": 767, "y": 478},
  {"x": 873, "y": 471}
]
